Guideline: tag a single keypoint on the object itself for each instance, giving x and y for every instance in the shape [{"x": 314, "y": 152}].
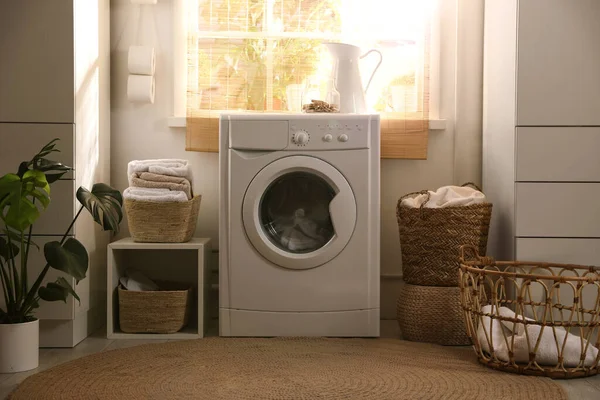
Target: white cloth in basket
[
  {"x": 167, "y": 166},
  {"x": 547, "y": 352},
  {"x": 155, "y": 195},
  {"x": 137, "y": 281},
  {"x": 447, "y": 196}
]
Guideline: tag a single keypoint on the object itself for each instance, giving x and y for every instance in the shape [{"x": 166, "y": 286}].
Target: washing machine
[{"x": 299, "y": 225}]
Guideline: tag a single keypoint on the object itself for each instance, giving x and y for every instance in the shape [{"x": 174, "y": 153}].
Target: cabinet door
[
  {"x": 558, "y": 82},
  {"x": 37, "y": 61},
  {"x": 562, "y": 210},
  {"x": 20, "y": 142},
  {"x": 558, "y": 154}
]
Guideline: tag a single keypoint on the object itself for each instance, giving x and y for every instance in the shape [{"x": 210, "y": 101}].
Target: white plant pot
[{"x": 19, "y": 347}]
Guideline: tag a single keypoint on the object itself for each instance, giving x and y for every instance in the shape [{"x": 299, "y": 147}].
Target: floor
[{"x": 588, "y": 388}]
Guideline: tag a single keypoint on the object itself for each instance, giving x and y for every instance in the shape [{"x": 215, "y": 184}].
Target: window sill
[{"x": 434, "y": 124}]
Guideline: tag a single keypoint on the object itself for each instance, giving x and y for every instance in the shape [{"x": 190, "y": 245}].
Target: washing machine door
[{"x": 299, "y": 212}]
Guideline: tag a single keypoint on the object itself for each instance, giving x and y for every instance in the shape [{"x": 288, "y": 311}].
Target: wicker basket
[
  {"x": 431, "y": 314},
  {"x": 431, "y": 237},
  {"x": 527, "y": 307},
  {"x": 154, "y": 222},
  {"x": 164, "y": 311}
]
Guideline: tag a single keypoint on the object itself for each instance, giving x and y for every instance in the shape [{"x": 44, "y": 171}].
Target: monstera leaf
[
  {"x": 8, "y": 251},
  {"x": 104, "y": 203},
  {"x": 57, "y": 291},
  {"x": 17, "y": 195},
  {"x": 70, "y": 257}
]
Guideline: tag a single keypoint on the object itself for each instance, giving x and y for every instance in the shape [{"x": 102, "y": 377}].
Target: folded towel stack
[{"x": 161, "y": 180}]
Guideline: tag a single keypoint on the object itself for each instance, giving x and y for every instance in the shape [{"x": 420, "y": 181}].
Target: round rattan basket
[
  {"x": 430, "y": 239},
  {"x": 431, "y": 314},
  {"x": 532, "y": 318},
  {"x": 172, "y": 222}
]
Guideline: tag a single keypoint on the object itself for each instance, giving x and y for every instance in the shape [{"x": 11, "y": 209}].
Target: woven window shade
[{"x": 260, "y": 56}]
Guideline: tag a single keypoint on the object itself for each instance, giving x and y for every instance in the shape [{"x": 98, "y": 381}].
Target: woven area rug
[{"x": 283, "y": 368}]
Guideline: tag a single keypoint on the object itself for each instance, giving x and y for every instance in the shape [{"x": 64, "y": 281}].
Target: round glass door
[
  {"x": 294, "y": 212},
  {"x": 299, "y": 212}
]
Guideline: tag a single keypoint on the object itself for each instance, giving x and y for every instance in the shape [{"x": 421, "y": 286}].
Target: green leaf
[
  {"x": 17, "y": 237},
  {"x": 53, "y": 292},
  {"x": 21, "y": 214},
  {"x": 71, "y": 257},
  {"x": 52, "y": 169},
  {"x": 5, "y": 249},
  {"x": 64, "y": 283},
  {"x": 16, "y": 208},
  {"x": 104, "y": 203},
  {"x": 36, "y": 179}
]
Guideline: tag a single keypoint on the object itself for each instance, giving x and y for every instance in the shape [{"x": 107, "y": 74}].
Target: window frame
[{"x": 180, "y": 35}]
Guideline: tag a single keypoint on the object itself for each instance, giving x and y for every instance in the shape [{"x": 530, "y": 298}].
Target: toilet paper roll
[
  {"x": 141, "y": 60},
  {"x": 140, "y": 89}
]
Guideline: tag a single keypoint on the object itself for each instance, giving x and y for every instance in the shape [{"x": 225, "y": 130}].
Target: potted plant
[{"x": 23, "y": 197}]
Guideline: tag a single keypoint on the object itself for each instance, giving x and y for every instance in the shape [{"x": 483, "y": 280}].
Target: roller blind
[{"x": 262, "y": 55}]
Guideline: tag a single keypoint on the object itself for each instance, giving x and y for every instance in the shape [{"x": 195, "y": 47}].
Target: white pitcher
[{"x": 346, "y": 76}]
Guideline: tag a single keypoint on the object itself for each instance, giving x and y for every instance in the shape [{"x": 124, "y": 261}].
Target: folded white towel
[
  {"x": 137, "y": 281},
  {"x": 447, "y": 196},
  {"x": 491, "y": 331},
  {"x": 547, "y": 352},
  {"x": 171, "y": 167},
  {"x": 155, "y": 195}
]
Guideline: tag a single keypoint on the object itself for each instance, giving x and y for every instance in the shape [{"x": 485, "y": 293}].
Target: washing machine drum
[{"x": 299, "y": 212}]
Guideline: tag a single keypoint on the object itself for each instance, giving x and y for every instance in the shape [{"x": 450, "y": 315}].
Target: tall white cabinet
[
  {"x": 541, "y": 129},
  {"x": 55, "y": 83}
]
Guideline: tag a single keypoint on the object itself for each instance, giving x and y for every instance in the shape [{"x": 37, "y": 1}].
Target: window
[{"x": 261, "y": 55}]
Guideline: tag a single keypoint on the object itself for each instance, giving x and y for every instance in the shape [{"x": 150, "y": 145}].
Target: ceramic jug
[{"x": 346, "y": 76}]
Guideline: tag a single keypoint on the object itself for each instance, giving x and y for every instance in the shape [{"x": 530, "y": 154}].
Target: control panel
[{"x": 329, "y": 134}]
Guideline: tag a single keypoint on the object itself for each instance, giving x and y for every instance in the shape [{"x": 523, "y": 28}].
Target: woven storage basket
[
  {"x": 532, "y": 290},
  {"x": 431, "y": 237},
  {"x": 154, "y": 222},
  {"x": 164, "y": 311},
  {"x": 431, "y": 314}
]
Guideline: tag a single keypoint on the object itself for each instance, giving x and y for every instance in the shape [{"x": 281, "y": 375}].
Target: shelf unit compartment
[{"x": 184, "y": 263}]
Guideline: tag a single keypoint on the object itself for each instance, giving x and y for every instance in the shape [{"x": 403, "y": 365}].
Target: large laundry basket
[
  {"x": 532, "y": 318},
  {"x": 430, "y": 239}
]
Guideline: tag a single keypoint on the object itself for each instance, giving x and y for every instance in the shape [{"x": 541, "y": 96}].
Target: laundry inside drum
[{"x": 294, "y": 212}]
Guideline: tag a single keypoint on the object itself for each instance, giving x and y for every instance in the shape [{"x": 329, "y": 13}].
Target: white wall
[{"x": 140, "y": 132}]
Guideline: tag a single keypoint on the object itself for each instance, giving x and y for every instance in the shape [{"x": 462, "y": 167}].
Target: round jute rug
[{"x": 283, "y": 368}]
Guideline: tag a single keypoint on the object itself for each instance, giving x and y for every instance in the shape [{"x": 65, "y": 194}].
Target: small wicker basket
[
  {"x": 431, "y": 314},
  {"x": 152, "y": 222},
  {"x": 509, "y": 307},
  {"x": 430, "y": 239},
  {"x": 162, "y": 311}
]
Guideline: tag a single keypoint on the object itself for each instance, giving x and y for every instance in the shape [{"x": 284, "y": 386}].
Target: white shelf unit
[{"x": 174, "y": 262}]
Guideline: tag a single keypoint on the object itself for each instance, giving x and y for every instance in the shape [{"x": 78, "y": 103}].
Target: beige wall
[{"x": 141, "y": 131}]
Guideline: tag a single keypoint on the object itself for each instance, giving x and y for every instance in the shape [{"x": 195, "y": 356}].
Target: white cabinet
[
  {"x": 37, "y": 69},
  {"x": 540, "y": 131},
  {"x": 55, "y": 83},
  {"x": 558, "y": 61}
]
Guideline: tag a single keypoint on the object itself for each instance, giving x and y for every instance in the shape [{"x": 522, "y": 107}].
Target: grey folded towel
[{"x": 156, "y": 181}]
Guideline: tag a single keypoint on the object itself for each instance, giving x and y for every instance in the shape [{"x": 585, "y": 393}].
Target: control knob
[{"x": 301, "y": 137}]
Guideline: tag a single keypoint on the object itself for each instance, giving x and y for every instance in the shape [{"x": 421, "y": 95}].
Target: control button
[
  {"x": 343, "y": 138},
  {"x": 328, "y": 138},
  {"x": 358, "y": 127},
  {"x": 301, "y": 138}
]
